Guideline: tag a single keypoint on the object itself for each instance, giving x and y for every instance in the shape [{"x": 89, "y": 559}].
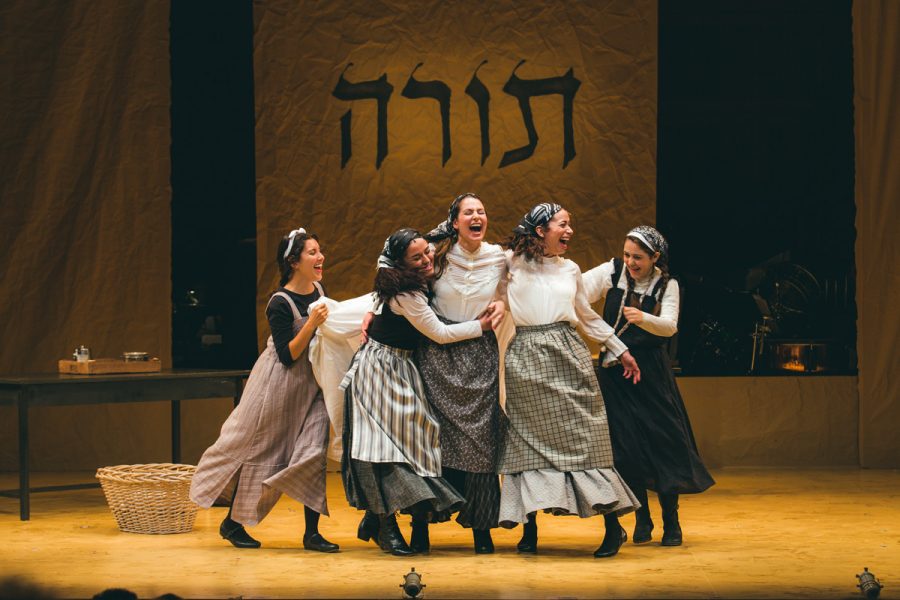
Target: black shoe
[
  {"x": 368, "y": 527},
  {"x": 643, "y": 526},
  {"x": 418, "y": 541},
  {"x": 319, "y": 544},
  {"x": 389, "y": 537},
  {"x": 671, "y": 526},
  {"x": 612, "y": 541},
  {"x": 235, "y": 533},
  {"x": 483, "y": 542},
  {"x": 528, "y": 543}
]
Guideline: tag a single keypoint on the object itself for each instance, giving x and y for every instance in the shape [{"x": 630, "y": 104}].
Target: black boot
[
  {"x": 528, "y": 543},
  {"x": 389, "y": 537},
  {"x": 235, "y": 533},
  {"x": 483, "y": 542},
  {"x": 613, "y": 539},
  {"x": 418, "y": 541},
  {"x": 671, "y": 526},
  {"x": 368, "y": 527},
  {"x": 643, "y": 524},
  {"x": 312, "y": 539}
]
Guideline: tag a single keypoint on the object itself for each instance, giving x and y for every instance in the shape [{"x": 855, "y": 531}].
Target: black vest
[
  {"x": 634, "y": 336},
  {"x": 394, "y": 330}
]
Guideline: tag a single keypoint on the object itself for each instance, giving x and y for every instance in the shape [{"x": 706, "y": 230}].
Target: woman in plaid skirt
[
  {"x": 653, "y": 442},
  {"x": 462, "y": 379},
  {"x": 557, "y": 455},
  {"x": 392, "y": 457},
  {"x": 275, "y": 440}
]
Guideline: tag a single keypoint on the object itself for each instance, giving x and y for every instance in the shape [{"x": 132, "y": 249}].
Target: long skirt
[
  {"x": 557, "y": 455},
  {"x": 391, "y": 456},
  {"x": 462, "y": 387},
  {"x": 273, "y": 442},
  {"x": 653, "y": 443}
]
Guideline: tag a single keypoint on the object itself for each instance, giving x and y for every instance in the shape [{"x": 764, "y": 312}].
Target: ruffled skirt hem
[{"x": 583, "y": 493}]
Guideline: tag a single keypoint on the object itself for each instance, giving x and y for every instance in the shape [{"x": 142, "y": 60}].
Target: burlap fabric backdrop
[
  {"x": 84, "y": 218},
  {"x": 302, "y": 49}
]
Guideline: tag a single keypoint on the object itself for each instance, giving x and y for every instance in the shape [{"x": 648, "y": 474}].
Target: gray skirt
[
  {"x": 557, "y": 454},
  {"x": 391, "y": 459}
]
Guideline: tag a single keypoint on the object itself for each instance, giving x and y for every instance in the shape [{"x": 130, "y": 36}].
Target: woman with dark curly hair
[
  {"x": 275, "y": 440},
  {"x": 557, "y": 455},
  {"x": 653, "y": 443},
  {"x": 392, "y": 456}
]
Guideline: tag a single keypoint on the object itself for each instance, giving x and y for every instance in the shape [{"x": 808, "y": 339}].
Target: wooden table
[{"x": 55, "y": 389}]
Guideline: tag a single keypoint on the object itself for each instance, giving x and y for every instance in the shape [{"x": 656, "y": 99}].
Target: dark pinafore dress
[{"x": 653, "y": 445}]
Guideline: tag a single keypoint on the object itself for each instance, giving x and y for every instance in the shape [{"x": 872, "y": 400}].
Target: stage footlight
[
  {"x": 412, "y": 585},
  {"x": 869, "y": 586}
]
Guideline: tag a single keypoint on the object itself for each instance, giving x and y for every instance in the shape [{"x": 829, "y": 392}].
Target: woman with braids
[
  {"x": 557, "y": 455},
  {"x": 653, "y": 443},
  {"x": 392, "y": 457},
  {"x": 274, "y": 441},
  {"x": 462, "y": 379}
]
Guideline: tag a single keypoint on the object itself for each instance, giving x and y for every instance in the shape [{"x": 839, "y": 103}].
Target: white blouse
[
  {"x": 469, "y": 281},
  {"x": 598, "y": 281},
  {"x": 550, "y": 291},
  {"x": 414, "y": 306}
]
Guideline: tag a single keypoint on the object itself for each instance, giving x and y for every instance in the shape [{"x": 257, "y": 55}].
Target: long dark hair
[
  {"x": 286, "y": 263},
  {"x": 390, "y": 282},
  {"x": 527, "y": 244}
]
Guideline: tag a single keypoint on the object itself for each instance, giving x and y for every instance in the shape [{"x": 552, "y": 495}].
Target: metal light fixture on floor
[
  {"x": 869, "y": 586},
  {"x": 412, "y": 585}
]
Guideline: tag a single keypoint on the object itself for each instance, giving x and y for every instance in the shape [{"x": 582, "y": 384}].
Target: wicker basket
[{"x": 150, "y": 498}]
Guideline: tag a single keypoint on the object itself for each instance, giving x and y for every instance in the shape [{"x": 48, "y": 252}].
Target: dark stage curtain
[
  {"x": 84, "y": 216},
  {"x": 302, "y": 49},
  {"x": 876, "y": 64}
]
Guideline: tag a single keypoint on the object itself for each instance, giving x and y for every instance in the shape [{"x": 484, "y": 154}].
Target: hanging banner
[{"x": 373, "y": 117}]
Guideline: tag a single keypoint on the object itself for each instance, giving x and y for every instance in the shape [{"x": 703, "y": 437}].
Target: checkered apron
[{"x": 557, "y": 419}]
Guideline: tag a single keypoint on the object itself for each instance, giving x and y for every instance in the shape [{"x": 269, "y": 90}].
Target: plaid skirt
[
  {"x": 391, "y": 459},
  {"x": 273, "y": 442},
  {"x": 557, "y": 454}
]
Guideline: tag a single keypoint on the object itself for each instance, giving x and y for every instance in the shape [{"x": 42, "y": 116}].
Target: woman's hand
[
  {"x": 485, "y": 321},
  {"x": 317, "y": 315},
  {"x": 367, "y": 320},
  {"x": 633, "y": 315},
  {"x": 632, "y": 371},
  {"x": 496, "y": 310}
]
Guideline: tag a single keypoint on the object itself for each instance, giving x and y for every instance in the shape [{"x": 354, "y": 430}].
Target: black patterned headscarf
[
  {"x": 538, "y": 216},
  {"x": 445, "y": 229},
  {"x": 653, "y": 239},
  {"x": 395, "y": 247}
]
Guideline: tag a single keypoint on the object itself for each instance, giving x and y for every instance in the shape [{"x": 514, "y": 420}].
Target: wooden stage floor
[{"x": 756, "y": 534}]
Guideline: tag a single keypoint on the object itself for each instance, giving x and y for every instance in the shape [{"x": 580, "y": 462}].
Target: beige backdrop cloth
[
  {"x": 84, "y": 219},
  {"x": 301, "y": 49},
  {"x": 876, "y": 83}
]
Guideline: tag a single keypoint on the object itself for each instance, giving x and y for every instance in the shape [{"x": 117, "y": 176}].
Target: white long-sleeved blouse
[
  {"x": 550, "y": 291},
  {"x": 469, "y": 281},
  {"x": 415, "y": 307},
  {"x": 598, "y": 281}
]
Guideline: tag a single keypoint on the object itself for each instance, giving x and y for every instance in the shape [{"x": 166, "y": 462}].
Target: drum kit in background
[{"x": 784, "y": 321}]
